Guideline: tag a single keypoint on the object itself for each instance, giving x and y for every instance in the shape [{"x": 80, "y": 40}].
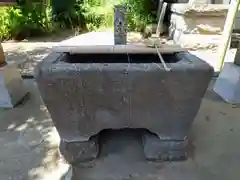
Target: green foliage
[
  {"x": 4, "y": 31},
  {"x": 35, "y": 19},
  {"x": 25, "y": 20},
  {"x": 99, "y": 13},
  {"x": 139, "y": 13}
]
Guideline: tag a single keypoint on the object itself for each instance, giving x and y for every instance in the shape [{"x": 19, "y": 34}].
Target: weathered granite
[{"x": 88, "y": 93}]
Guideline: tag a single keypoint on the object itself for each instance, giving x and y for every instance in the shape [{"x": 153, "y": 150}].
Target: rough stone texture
[
  {"x": 85, "y": 98},
  {"x": 75, "y": 152},
  {"x": 157, "y": 149}
]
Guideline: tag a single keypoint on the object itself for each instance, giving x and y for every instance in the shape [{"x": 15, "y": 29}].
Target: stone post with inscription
[{"x": 120, "y": 25}]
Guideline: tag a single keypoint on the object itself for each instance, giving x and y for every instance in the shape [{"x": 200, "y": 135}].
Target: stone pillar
[{"x": 120, "y": 25}]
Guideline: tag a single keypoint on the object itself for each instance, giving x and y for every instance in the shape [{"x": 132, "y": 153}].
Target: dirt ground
[{"x": 29, "y": 147}]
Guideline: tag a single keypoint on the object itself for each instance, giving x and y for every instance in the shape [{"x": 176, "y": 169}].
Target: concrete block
[
  {"x": 228, "y": 83},
  {"x": 11, "y": 86}
]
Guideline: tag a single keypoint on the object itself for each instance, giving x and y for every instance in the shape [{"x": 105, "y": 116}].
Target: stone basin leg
[
  {"x": 156, "y": 149},
  {"x": 77, "y": 152}
]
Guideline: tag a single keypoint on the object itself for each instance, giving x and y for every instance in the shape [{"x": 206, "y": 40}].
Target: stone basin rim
[{"x": 164, "y": 48}]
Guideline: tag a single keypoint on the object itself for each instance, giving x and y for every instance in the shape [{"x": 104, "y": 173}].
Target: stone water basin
[{"x": 86, "y": 93}]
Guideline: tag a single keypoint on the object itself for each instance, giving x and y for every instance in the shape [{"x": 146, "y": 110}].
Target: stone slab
[
  {"x": 11, "y": 86},
  {"x": 121, "y": 49},
  {"x": 228, "y": 83}
]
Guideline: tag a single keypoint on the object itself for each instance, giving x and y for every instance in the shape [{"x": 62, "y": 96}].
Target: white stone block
[
  {"x": 194, "y": 41},
  {"x": 228, "y": 83},
  {"x": 197, "y": 25},
  {"x": 11, "y": 86}
]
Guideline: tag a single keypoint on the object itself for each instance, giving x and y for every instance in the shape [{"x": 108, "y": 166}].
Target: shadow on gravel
[{"x": 28, "y": 140}]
